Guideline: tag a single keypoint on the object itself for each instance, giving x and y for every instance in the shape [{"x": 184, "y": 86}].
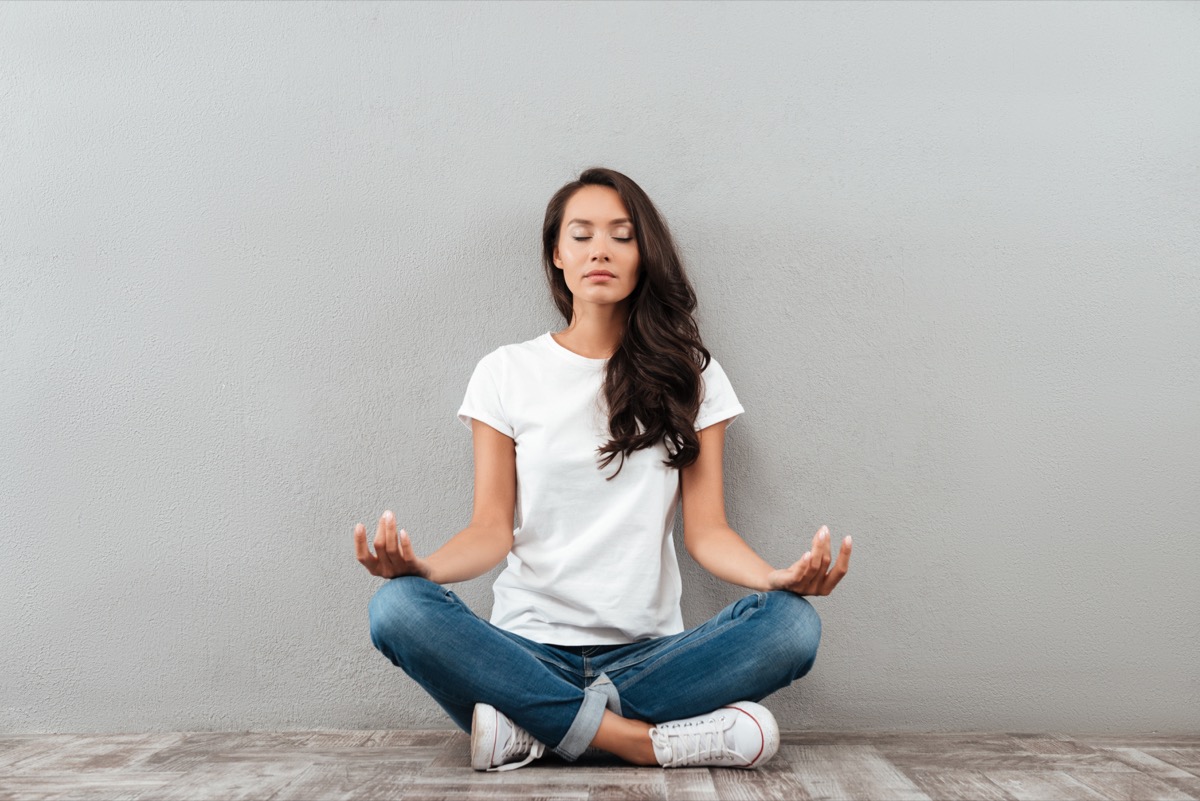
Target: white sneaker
[
  {"x": 741, "y": 735},
  {"x": 496, "y": 743}
]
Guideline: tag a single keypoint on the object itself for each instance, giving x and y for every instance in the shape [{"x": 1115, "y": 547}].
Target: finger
[
  {"x": 839, "y": 569},
  {"x": 393, "y": 544},
  {"x": 814, "y": 571},
  {"x": 786, "y": 577},
  {"x": 380, "y": 532},
  {"x": 803, "y": 570},
  {"x": 826, "y": 556},
  {"x": 821, "y": 544},
  {"x": 815, "y": 554},
  {"x": 362, "y": 552},
  {"x": 381, "y": 552},
  {"x": 406, "y": 549},
  {"x": 801, "y": 564}
]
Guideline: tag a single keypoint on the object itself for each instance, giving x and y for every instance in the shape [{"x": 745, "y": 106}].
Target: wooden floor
[{"x": 315, "y": 765}]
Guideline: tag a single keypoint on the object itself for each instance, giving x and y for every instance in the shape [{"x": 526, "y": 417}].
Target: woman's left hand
[{"x": 808, "y": 576}]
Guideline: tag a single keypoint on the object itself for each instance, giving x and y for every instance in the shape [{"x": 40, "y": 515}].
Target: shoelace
[
  {"x": 705, "y": 742},
  {"x": 519, "y": 741}
]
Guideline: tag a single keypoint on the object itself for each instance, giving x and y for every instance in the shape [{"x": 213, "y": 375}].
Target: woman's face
[{"x": 596, "y": 237}]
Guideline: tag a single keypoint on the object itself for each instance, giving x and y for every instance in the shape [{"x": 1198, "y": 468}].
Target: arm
[
  {"x": 469, "y": 554},
  {"x": 487, "y": 540},
  {"x": 707, "y": 536},
  {"x": 477, "y": 548},
  {"x": 718, "y": 549}
]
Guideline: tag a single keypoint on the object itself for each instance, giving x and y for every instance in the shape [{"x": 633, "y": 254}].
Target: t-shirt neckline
[{"x": 571, "y": 355}]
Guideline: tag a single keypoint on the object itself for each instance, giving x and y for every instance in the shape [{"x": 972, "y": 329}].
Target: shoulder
[
  {"x": 714, "y": 367},
  {"x": 719, "y": 400},
  {"x": 714, "y": 375},
  {"x": 512, "y": 353}
]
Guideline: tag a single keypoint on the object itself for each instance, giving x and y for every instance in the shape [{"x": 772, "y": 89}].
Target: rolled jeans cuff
[{"x": 584, "y": 727}]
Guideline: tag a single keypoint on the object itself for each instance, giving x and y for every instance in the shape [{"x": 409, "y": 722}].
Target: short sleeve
[
  {"x": 719, "y": 402},
  {"x": 482, "y": 400}
]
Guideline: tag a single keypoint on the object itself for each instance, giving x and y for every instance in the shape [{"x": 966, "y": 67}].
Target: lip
[{"x": 599, "y": 275}]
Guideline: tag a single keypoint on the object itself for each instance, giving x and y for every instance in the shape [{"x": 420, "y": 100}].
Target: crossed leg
[{"x": 751, "y": 648}]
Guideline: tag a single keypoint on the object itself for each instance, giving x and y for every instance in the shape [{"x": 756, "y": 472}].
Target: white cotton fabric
[{"x": 593, "y": 561}]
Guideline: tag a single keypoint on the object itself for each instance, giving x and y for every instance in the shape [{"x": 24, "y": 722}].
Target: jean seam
[
  {"x": 632, "y": 661},
  {"x": 696, "y": 643},
  {"x": 452, "y": 597},
  {"x": 760, "y": 602},
  {"x": 543, "y": 658}
]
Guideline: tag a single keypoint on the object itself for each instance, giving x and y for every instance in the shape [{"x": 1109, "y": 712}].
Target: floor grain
[{"x": 430, "y": 765}]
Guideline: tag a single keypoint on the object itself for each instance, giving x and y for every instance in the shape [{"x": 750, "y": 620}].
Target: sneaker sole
[
  {"x": 484, "y": 722},
  {"x": 767, "y": 726}
]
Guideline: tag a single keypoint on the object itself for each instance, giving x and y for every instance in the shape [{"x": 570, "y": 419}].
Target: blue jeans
[{"x": 752, "y": 648}]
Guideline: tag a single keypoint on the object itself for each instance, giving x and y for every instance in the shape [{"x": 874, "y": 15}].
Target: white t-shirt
[{"x": 593, "y": 561}]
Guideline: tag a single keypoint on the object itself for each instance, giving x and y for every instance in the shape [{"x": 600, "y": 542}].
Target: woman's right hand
[{"x": 393, "y": 553}]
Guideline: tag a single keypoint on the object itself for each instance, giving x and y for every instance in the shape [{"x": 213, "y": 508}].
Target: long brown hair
[{"x": 653, "y": 381}]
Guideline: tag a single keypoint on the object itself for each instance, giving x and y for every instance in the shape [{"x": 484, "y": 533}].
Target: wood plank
[
  {"x": 1184, "y": 758},
  {"x": 454, "y": 791},
  {"x": 1132, "y": 786},
  {"x": 1150, "y": 765},
  {"x": 45, "y": 750},
  {"x": 92, "y": 752},
  {"x": 330, "y": 782},
  {"x": 17, "y": 751},
  {"x": 1139, "y": 740},
  {"x": 431, "y": 764},
  {"x": 198, "y": 748},
  {"x": 114, "y": 786},
  {"x": 432, "y": 739},
  {"x": 1157, "y": 769},
  {"x": 957, "y": 785},
  {"x": 1052, "y": 745},
  {"x": 849, "y": 772},
  {"x": 395, "y": 755},
  {"x": 689, "y": 784},
  {"x": 230, "y": 781},
  {"x": 650, "y": 790},
  {"x": 1069, "y": 755},
  {"x": 1042, "y": 785},
  {"x": 994, "y": 752},
  {"x": 564, "y": 775},
  {"x": 754, "y": 785}
]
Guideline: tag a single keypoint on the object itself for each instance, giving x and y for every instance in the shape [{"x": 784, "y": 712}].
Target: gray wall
[{"x": 947, "y": 254}]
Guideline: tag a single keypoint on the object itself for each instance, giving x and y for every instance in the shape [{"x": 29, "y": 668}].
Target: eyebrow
[{"x": 612, "y": 222}]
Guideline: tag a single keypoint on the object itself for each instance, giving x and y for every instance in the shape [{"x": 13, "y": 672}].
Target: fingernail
[{"x": 387, "y": 515}]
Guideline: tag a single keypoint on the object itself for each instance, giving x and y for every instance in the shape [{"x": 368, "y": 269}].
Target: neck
[{"x": 596, "y": 335}]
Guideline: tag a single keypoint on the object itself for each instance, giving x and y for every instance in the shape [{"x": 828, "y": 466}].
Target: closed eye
[{"x": 619, "y": 239}]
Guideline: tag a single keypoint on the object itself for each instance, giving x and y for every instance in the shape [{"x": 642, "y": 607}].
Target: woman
[{"x": 586, "y": 647}]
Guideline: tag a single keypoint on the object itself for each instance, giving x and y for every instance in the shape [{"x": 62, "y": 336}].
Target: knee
[
  {"x": 397, "y": 608},
  {"x": 796, "y": 630}
]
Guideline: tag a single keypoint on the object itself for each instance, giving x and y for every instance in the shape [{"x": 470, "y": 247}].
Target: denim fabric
[{"x": 750, "y": 649}]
